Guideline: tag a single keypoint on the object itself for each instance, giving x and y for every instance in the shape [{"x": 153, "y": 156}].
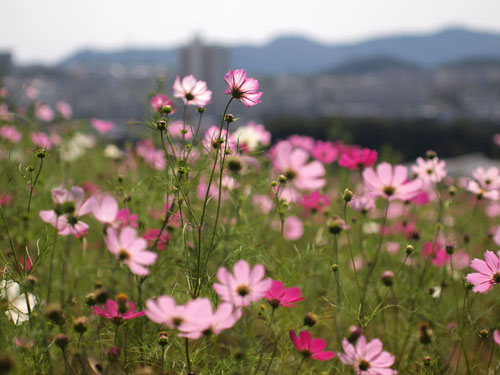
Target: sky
[{"x": 46, "y": 31}]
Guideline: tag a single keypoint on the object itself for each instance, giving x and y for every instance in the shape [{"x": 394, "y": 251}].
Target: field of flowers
[{"x": 221, "y": 252}]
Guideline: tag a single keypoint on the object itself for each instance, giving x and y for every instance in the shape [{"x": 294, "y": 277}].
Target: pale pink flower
[
  {"x": 244, "y": 286},
  {"x": 206, "y": 322},
  {"x": 42, "y": 140},
  {"x": 460, "y": 260},
  {"x": 278, "y": 295},
  {"x": 293, "y": 163},
  {"x": 302, "y": 141},
  {"x": 155, "y": 158},
  {"x": 262, "y": 203},
  {"x": 130, "y": 249},
  {"x": 325, "y": 152},
  {"x": 392, "y": 247},
  {"x": 292, "y": 228},
  {"x": 3, "y": 92},
  {"x": 242, "y": 88},
  {"x": 160, "y": 103},
  {"x": 252, "y": 136},
  {"x": 391, "y": 182},
  {"x": 493, "y": 209},
  {"x": 105, "y": 209},
  {"x": 10, "y": 133},
  {"x": 496, "y": 337},
  {"x": 164, "y": 310},
  {"x": 102, "y": 126},
  {"x": 69, "y": 207},
  {"x": 363, "y": 203},
  {"x": 179, "y": 130},
  {"x": 309, "y": 347},
  {"x": 488, "y": 273},
  {"x": 489, "y": 179},
  {"x": 355, "y": 158},
  {"x": 192, "y": 91},
  {"x": 31, "y": 92},
  {"x": 4, "y": 113},
  {"x": 367, "y": 358},
  {"x": 480, "y": 192},
  {"x": 44, "y": 112},
  {"x": 64, "y": 109},
  {"x": 430, "y": 171}
]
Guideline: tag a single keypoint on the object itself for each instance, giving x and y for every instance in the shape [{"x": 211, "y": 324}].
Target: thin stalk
[{"x": 33, "y": 183}]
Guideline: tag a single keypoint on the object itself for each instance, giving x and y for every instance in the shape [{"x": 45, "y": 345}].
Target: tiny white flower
[{"x": 17, "y": 306}]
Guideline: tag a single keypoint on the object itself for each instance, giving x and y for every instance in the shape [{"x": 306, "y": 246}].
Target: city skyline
[{"x": 54, "y": 29}]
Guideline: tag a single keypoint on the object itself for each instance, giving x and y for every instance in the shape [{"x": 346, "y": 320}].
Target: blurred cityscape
[{"x": 443, "y": 76}]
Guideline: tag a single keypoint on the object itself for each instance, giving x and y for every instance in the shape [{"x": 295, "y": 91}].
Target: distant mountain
[
  {"x": 304, "y": 56},
  {"x": 375, "y": 64}
]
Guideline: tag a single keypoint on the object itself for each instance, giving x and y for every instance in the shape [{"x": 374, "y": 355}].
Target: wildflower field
[{"x": 221, "y": 251}]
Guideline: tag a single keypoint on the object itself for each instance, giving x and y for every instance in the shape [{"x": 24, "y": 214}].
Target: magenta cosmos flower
[
  {"x": 244, "y": 286},
  {"x": 391, "y": 183},
  {"x": 278, "y": 295},
  {"x": 68, "y": 208},
  {"x": 292, "y": 162},
  {"x": 110, "y": 311},
  {"x": 242, "y": 88},
  {"x": 191, "y": 91},
  {"x": 315, "y": 202},
  {"x": 367, "y": 359},
  {"x": 488, "y": 272},
  {"x": 325, "y": 152},
  {"x": 130, "y": 249},
  {"x": 310, "y": 348},
  {"x": 358, "y": 158},
  {"x": 496, "y": 337}
]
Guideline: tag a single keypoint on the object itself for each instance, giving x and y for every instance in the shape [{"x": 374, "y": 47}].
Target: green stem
[{"x": 34, "y": 183}]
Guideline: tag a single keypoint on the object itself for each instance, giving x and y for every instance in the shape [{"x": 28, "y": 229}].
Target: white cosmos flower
[{"x": 17, "y": 307}]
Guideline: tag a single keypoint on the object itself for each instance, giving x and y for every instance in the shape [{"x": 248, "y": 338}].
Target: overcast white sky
[{"x": 48, "y": 30}]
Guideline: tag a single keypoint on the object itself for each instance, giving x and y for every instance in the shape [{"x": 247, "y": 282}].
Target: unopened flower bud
[
  {"x": 90, "y": 299},
  {"x": 450, "y": 248},
  {"x": 425, "y": 334},
  {"x": 387, "y": 278},
  {"x": 347, "y": 195},
  {"x": 335, "y": 225},
  {"x": 483, "y": 334},
  {"x": 30, "y": 281},
  {"x": 409, "y": 249},
  {"x": 229, "y": 118},
  {"x": 234, "y": 164},
  {"x": 29, "y": 168},
  {"x": 431, "y": 154},
  {"x": 161, "y": 124},
  {"x": 200, "y": 109},
  {"x": 452, "y": 190},
  {"x": 282, "y": 179},
  {"x": 310, "y": 319},
  {"x": 335, "y": 267},
  {"x": 426, "y": 361},
  {"x": 354, "y": 333},
  {"x": 54, "y": 313},
  {"x": 114, "y": 353},
  {"x": 166, "y": 109},
  {"x": 61, "y": 341},
  {"x": 101, "y": 295},
  {"x": 163, "y": 338},
  {"x": 274, "y": 183},
  {"x": 81, "y": 324},
  {"x": 466, "y": 238}
]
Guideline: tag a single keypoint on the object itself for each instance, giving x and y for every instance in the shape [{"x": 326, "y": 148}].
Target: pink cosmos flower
[
  {"x": 488, "y": 273},
  {"x": 496, "y": 337},
  {"x": 363, "y": 203},
  {"x": 130, "y": 249},
  {"x": 42, "y": 140},
  {"x": 391, "y": 183},
  {"x": 191, "y": 91},
  {"x": 325, "y": 152},
  {"x": 64, "y": 109},
  {"x": 430, "y": 171},
  {"x": 315, "y": 201},
  {"x": 358, "y": 158},
  {"x": 69, "y": 207},
  {"x": 480, "y": 192},
  {"x": 302, "y": 141},
  {"x": 242, "y": 88},
  {"x": 293, "y": 164},
  {"x": 262, "y": 203},
  {"x": 151, "y": 234},
  {"x": 164, "y": 310},
  {"x": 493, "y": 209},
  {"x": 4, "y": 113},
  {"x": 496, "y": 139},
  {"x": 32, "y": 91},
  {"x": 311, "y": 348},
  {"x": 207, "y": 322},
  {"x": 244, "y": 286},
  {"x": 44, "y": 112},
  {"x": 277, "y": 295},
  {"x": 178, "y": 130},
  {"x": 292, "y": 228},
  {"x": 367, "y": 359},
  {"x": 10, "y": 133},
  {"x": 436, "y": 252},
  {"x": 489, "y": 179},
  {"x": 6, "y": 199},
  {"x": 155, "y": 158},
  {"x": 104, "y": 208},
  {"x": 110, "y": 311},
  {"x": 102, "y": 126},
  {"x": 460, "y": 260},
  {"x": 160, "y": 102}
]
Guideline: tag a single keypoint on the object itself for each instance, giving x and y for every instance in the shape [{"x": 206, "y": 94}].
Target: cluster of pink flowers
[{"x": 10, "y": 133}]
